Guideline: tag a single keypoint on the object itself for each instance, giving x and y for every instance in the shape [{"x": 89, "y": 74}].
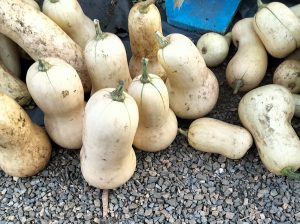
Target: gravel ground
[{"x": 177, "y": 185}]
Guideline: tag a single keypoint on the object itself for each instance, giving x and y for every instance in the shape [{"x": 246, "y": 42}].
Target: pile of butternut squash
[{"x": 135, "y": 104}]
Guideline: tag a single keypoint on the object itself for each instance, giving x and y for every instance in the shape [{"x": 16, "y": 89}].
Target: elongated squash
[
  {"x": 25, "y": 148},
  {"x": 70, "y": 17},
  {"x": 13, "y": 87},
  {"x": 106, "y": 60},
  {"x": 9, "y": 55},
  {"x": 39, "y": 36},
  {"x": 143, "y": 21},
  {"x": 248, "y": 66},
  {"x": 215, "y": 136}
]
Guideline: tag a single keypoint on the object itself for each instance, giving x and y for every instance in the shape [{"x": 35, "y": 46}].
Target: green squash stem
[
  {"x": 163, "y": 41},
  {"x": 290, "y": 173},
  {"x": 118, "y": 93},
  {"x": 99, "y": 34},
  {"x": 54, "y": 1},
  {"x": 43, "y": 65},
  {"x": 145, "y": 75},
  {"x": 183, "y": 132},
  {"x": 145, "y": 6},
  {"x": 237, "y": 85}
]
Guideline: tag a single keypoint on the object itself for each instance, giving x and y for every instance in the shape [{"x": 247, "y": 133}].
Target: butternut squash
[
  {"x": 25, "y": 148},
  {"x": 248, "y": 66},
  {"x": 110, "y": 122},
  {"x": 39, "y": 36},
  {"x": 143, "y": 21},
  {"x": 267, "y": 112},
  {"x": 157, "y": 127},
  {"x": 70, "y": 17},
  {"x": 193, "y": 88},
  {"x": 56, "y": 88}
]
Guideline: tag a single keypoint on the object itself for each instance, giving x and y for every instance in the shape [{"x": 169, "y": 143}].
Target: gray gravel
[{"x": 177, "y": 185}]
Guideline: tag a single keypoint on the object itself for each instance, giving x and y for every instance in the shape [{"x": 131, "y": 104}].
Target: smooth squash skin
[
  {"x": 278, "y": 28},
  {"x": 9, "y": 56},
  {"x": 56, "y": 88},
  {"x": 70, "y": 17},
  {"x": 267, "y": 112},
  {"x": 110, "y": 122},
  {"x": 214, "y": 48},
  {"x": 32, "y": 3},
  {"x": 40, "y": 37},
  {"x": 297, "y": 105},
  {"x": 13, "y": 87},
  {"x": 193, "y": 88},
  {"x": 25, "y": 148},
  {"x": 106, "y": 60},
  {"x": 143, "y": 21},
  {"x": 157, "y": 127},
  {"x": 248, "y": 66},
  {"x": 215, "y": 136},
  {"x": 296, "y": 10}
]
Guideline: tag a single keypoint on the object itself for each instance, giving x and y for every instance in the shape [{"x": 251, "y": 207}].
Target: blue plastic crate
[{"x": 202, "y": 15}]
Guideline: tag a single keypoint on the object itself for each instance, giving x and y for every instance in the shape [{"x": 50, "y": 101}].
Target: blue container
[{"x": 202, "y": 15}]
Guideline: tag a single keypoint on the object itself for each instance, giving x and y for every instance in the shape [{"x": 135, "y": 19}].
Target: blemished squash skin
[
  {"x": 267, "y": 112},
  {"x": 278, "y": 28},
  {"x": 143, "y": 21},
  {"x": 25, "y": 148},
  {"x": 70, "y": 17},
  {"x": 9, "y": 56},
  {"x": 107, "y": 158},
  {"x": 106, "y": 60},
  {"x": 157, "y": 127},
  {"x": 193, "y": 88},
  {"x": 215, "y": 136},
  {"x": 40, "y": 37},
  {"x": 13, "y": 87},
  {"x": 56, "y": 88},
  {"x": 248, "y": 66}
]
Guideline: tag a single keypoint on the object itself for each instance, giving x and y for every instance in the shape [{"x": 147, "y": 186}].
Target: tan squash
[
  {"x": 267, "y": 112},
  {"x": 106, "y": 60},
  {"x": 143, "y": 21},
  {"x": 25, "y": 148},
  {"x": 248, "y": 66},
  {"x": 9, "y": 56},
  {"x": 278, "y": 28},
  {"x": 215, "y": 136},
  {"x": 40, "y": 37},
  {"x": 193, "y": 88},
  {"x": 157, "y": 127},
  {"x": 70, "y": 17},
  {"x": 13, "y": 87},
  {"x": 56, "y": 88},
  {"x": 107, "y": 158},
  {"x": 287, "y": 73}
]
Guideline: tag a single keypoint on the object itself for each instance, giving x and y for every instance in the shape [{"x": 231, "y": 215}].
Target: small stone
[
  {"x": 97, "y": 203},
  {"x": 88, "y": 216},
  {"x": 172, "y": 202},
  {"x": 148, "y": 212},
  {"x": 79, "y": 215},
  {"x": 229, "y": 215}
]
